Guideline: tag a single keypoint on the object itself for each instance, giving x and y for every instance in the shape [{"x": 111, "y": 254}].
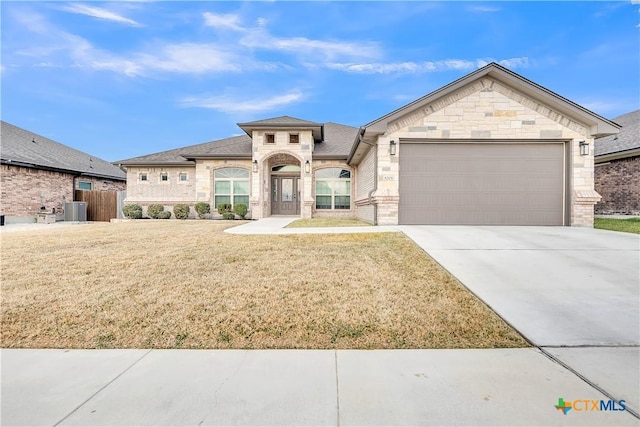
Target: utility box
[
  {"x": 75, "y": 211},
  {"x": 46, "y": 218}
]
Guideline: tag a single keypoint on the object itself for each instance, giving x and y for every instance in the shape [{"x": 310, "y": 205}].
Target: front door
[{"x": 285, "y": 197}]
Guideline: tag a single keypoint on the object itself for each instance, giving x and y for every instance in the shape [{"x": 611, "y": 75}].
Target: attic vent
[{"x": 33, "y": 140}]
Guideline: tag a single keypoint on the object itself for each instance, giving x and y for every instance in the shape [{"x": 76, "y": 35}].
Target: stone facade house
[
  {"x": 37, "y": 172},
  {"x": 617, "y": 168},
  {"x": 491, "y": 148}
]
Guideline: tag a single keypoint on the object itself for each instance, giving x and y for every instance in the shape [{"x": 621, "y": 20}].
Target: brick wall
[
  {"x": 618, "y": 182},
  {"x": 25, "y": 190}
]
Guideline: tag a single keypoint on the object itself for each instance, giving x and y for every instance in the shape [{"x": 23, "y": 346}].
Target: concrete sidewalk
[
  {"x": 507, "y": 387},
  {"x": 277, "y": 224}
]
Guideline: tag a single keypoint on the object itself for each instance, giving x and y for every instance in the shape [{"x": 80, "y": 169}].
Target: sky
[{"x": 123, "y": 79}]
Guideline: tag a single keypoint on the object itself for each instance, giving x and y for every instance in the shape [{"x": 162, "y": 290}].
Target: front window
[
  {"x": 269, "y": 138},
  {"x": 333, "y": 189},
  {"x": 294, "y": 138},
  {"x": 164, "y": 177},
  {"x": 184, "y": 177},
  {"x": 143, "y": 177},
  {"x": 85, "y": 185},
  {"x": 231, "y": 185}
]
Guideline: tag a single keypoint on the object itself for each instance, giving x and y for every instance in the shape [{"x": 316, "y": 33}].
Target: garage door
[{"x": 481, "y": 183}]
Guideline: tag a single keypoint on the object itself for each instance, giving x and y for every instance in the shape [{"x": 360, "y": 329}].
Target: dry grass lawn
[
  {"x": 185, "y": 284},
  {"x": 327, "y": 222}
]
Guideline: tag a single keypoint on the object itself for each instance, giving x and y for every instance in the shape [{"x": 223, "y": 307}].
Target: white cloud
[
  {"x": 100, "y": 13},
  {"x": 228, "y": 103},
  {"x": 483, "y": 9},
  {"x": 424, "y": 67},
  {"x": 230, "y": 21},
  {"x": 327, "y": 50}
]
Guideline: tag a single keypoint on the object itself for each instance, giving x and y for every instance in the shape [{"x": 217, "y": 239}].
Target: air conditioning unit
[{"x": 75, "y": 211}]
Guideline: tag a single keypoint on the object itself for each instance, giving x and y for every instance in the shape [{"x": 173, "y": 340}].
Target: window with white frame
[
  {"x": 164, "y": 177},
  {"x": 85, "y": 185},
  {"x": 144, "y": 177},
  {"x": 183, "y": 177},
  {"x": 231, "y": 185},
  {"x": 333, "y": 188}
]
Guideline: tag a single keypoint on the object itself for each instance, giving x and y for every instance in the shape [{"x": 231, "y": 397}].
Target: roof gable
[
  {"x": 595, "y": 124},
  {"x": 22, "y": 147}
]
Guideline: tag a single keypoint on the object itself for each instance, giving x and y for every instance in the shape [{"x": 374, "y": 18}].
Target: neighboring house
[
  {"x": 39, "y": 174},
  {"x": 617, "y": 174},
  {"x": 490, "y": 148}
]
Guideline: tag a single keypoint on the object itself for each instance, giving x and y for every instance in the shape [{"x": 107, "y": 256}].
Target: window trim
[
  {"x": 269, "y": 138},
  {"x": 297, "y": 135},
  {"x": 183, "y": 181},
  {"x": 143, "y": 176},
  {"x": 162, "y": 175},
  {"x": 231, "y": 180},
  {"x": 85, "y": 182},
  {"x": 333, "y": 194}
]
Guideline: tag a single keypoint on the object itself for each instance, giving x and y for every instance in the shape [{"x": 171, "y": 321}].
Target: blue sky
[{"x": 123, "y": 79}]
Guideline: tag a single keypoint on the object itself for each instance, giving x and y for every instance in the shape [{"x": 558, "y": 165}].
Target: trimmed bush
[
  {"x": 153, "y": 211},
  {"x": 240, "y": 209},
  {"x": 202, "y": 209},
  {"x": 164, "y": 215},
  {"x": 181, "y": 211},
  {"x": 228, "y": 215},
  {"x": 132, "y": 211},
  {"x": 224, "y": 208}
]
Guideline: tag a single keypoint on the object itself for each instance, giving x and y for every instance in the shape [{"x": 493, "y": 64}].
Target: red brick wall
[
  {"x": 618, "y": 182},
  {"x": 25, "y": 190}
]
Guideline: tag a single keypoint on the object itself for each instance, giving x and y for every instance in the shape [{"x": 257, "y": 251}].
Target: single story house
[
  {"x": 490, "y": 148},
  {"x": 39, "y": 174},
  {"x": 617, "y": 173}
]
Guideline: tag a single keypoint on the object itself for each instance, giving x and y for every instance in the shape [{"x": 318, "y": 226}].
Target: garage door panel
[{"x": 492, "y": 184}]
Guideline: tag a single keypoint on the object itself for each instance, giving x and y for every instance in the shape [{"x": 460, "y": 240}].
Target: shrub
[
  {"x": 164, "y": 215},
  {"x": 154, "y": 211},
  {"x": 224, "y": 208},
  {"x": 240, "y": 209},
  {"x": 132, "y": 211},
  {"x": 228, "y": 215},
  {"x": 181, "y": 211},
  {"x": 202, "y": 208}
]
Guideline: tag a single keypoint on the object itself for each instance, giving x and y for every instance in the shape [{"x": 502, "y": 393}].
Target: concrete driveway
[{"x": 573, "y": 292}]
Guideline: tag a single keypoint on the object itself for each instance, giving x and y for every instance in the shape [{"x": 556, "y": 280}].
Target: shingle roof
[
  {"x": 281, "y": 121},
  {"x": 22, "y": 147},
  {"x": 627, "y": 139},
  {"x": 337, "y": 143},
  {"x": 338, "y": 140},
  {"x": 228, "y": 147}
]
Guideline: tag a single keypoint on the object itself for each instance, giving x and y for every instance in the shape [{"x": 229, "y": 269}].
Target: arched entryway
[{"x": 285, "y": 189}]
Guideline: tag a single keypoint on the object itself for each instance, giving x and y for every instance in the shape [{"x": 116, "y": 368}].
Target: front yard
[{"x": 155, "y": 284}]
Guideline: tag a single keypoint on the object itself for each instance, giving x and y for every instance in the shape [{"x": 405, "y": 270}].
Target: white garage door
[{"x": 482, "y": 183}]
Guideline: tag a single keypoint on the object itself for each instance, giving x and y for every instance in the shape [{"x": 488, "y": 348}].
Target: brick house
[
  {"x": 617, "y": 168},
  {"x": 37, "y": 172},
  {"x": 490, "y": 148}
]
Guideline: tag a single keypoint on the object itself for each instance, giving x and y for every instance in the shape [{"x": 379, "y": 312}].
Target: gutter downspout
[{"x": 375, "y": 176}]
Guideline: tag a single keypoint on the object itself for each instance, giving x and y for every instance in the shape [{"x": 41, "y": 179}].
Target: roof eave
[
  {"x": 21, "y": 164},
  {"x": 602, "y": 158},
  {"x": 151, "y": 163}
]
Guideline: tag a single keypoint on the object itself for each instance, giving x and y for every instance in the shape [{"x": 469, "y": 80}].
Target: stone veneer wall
[
  {"x": 487, "y": 110},
  {"x": 618, "y": 182},
  {"x": 25, "y": 190}
]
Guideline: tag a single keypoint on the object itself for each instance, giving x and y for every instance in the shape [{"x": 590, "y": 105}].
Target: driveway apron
[{"x": 573, "y": 292}]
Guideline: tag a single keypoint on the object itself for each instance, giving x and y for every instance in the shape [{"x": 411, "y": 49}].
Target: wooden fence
[{"x": 101, "y": 205}]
